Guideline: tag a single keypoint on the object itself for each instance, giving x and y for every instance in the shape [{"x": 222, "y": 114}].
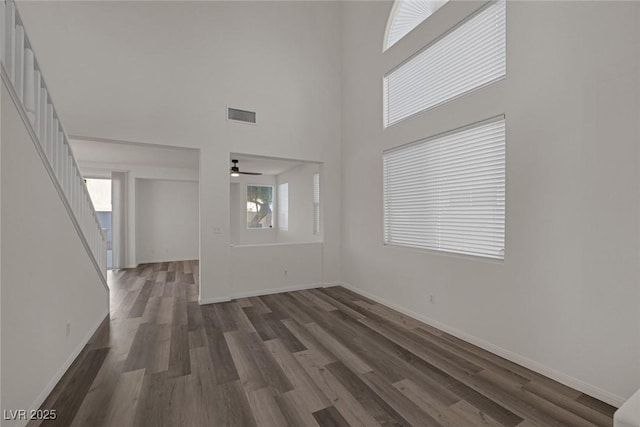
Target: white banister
[
  {"x": 54, "y": 143},
  {"x": 18, "y": 57},
  {"x": 42, "y": 113},
  {"x": 27, "y": 87},
  {"x": 47, "y": 131},
  {"x": 36, "y": 95},
  {"x": 67, "y": 173},
  {"x": 64, "y": 173},
  {"x": 10, "y": 34},
  {"x": 28, "y": 92},
  {"x": 57, "y": 153}
]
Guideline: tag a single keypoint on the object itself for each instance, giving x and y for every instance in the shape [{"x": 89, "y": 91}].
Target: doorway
[{"x": 100, "y": 193}]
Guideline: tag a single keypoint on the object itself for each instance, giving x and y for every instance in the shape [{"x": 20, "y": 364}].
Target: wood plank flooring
[{"x": 323, "y": 357}]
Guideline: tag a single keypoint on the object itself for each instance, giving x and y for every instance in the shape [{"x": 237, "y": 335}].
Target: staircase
[{"x": 21, "y": 74}]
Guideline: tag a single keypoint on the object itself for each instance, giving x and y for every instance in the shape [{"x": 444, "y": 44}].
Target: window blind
[
  {"x": 316, "y": 203},
  {"x": 470, "y": 56},
  {"x": 447, "y": 193},
  {"x": 283, "y": 206},
  {"x": 406, "y": 15}
]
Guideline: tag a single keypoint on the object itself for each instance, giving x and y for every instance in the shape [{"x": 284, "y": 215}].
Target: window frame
[
  {"x": 446, "y": 252},
  {"x": 316, "y": 204},
  {"x": 393, "y": 14},
  {"x": 385, "y": 95},
  {"x": 246, "y": 201},
  {"x": 279, "y": 206}
]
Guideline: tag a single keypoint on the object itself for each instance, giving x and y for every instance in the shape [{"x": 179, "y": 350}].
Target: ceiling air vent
[{"x": 241, "y": 115}]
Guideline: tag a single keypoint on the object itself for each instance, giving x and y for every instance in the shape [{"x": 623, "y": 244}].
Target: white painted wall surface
[
  {"x": 272, "y": 268},
  {"x": 134, "y": 171},
  {"x": 47, "y": 276},
  {"x": 166, "y": 220},
  {"x": 300, "y": 182},
  {"x": 283, "y": 61},
  {"x": 566, "y": 298}
]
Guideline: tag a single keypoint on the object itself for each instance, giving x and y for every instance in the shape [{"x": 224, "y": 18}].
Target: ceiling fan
[{"x": 235, "y": 170}]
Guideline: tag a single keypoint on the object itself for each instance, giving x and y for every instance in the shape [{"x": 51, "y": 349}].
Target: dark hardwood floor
[{"x": 325, "y": 357}]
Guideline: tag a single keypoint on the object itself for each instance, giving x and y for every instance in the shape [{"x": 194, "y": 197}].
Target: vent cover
[{"x": 241, "y": 115}]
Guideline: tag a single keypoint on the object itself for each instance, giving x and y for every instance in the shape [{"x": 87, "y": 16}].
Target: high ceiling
[{"x": 163, "y": 71}]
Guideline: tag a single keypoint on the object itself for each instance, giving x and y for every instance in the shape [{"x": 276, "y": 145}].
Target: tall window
[
  {"x": 447, "y": 192},
  {"x": 406, "y": 15},
  {"x": 468, "y": 57},
  {"x": 259, "y": 206},
  {"x": 316, "y": 203},
  {"x": 283, "y": 206}
]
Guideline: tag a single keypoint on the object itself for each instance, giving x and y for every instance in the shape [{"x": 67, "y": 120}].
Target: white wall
[
  {"x": 300, "y": 182},
  {"x": 97, "y": 169},
  {"x": 283, "y": 61},
  {"x": 166, "y": 220},
  {"x": 566, "y": 298},
  {"x": 273, "y": 260},
  {"x": 272, "y": 268},
  {"x": 47, "y": 276}
]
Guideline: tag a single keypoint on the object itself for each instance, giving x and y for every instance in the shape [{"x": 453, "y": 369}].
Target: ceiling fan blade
[{"x": 235, "y": 170}]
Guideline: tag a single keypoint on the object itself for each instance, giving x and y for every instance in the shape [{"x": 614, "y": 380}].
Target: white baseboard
[
  {"x": 63, "y": 369},
  {"x": 160, "y": 261},
  {"x": 204, "y": 301},
  {"x": 263, "y": 292},
  {"x": 584, "y": 387},
  {"x": 331, "y": 284}
]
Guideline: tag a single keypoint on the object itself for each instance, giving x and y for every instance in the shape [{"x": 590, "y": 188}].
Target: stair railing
[{"x": 22, "y": 76}]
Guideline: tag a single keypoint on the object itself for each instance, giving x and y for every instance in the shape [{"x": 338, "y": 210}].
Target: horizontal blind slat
[
  {"x": 469, "y": 57},
  {"x": 448, "y": 193},
  {"x": 408, "y": 15}
]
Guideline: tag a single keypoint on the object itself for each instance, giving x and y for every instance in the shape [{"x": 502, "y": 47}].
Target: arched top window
[{"x": 406, "y": 15}]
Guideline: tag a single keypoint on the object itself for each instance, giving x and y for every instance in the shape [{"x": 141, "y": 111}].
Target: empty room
[{"x": 319, "y": 213}]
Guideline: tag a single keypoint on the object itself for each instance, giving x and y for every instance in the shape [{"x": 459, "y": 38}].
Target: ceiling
[
  {"x": 161, "y": 72},
  {"x": 134, "y": 154},
  {"x": 265, "y": 165}
]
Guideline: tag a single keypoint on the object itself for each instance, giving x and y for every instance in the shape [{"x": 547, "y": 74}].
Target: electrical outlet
[
  {"x": 68, "y": 330},
  {"x": 432, "y": 299}
]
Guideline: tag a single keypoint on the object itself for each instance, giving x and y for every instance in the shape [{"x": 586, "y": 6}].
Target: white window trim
[
  {"x": 280, "y": 206},
  {"x": 393, "y": 15},
  {"x": 440, "y": 251},
  {"x": 385, "y": 116},
  {"x": 316, "y": 205},
  {"x": 246, "y": 200}
]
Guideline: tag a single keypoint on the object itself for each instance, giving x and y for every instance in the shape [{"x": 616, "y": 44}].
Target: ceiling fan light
[{"x": 235, "y": 174}]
